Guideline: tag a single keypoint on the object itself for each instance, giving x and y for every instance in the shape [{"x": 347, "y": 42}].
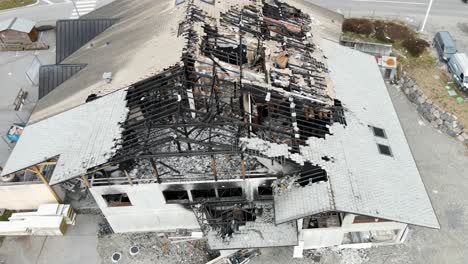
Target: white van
[{"x": 458, "y": 67}]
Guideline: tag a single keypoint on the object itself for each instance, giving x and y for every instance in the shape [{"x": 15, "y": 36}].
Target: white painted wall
[
  {"x": 25, "y": 196},
  {"x": 333, "y": 236},
  {"x": 149, "y": 211}
]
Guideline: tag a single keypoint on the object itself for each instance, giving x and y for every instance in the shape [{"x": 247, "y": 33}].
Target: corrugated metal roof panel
[
  {"x": 72, "y": 34},
  {"x": 51, "y": 76}
]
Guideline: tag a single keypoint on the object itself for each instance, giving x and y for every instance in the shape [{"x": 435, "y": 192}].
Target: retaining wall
[{"x": 438, "y": 118}]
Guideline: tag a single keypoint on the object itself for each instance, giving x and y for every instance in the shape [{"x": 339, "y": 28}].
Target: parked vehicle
[
  {"x": 458, "y": 67},
  {"x": 444, "y": 44}
]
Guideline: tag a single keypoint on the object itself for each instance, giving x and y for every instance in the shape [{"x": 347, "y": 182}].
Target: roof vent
[
  {"x": 107, "y": 76},
  {"x": 116, "y": 257},
  {"x": 134, "y": 250}
]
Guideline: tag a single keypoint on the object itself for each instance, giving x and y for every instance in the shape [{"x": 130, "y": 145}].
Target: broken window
[
  {"x": 322, "y": 221},
  {"x": 366, "y": 219},
  {"x": 175, "y": 196},
  {"x": 265, "y": 191},
  {"x": 379, "y": 132},
  {"x": 203, "y": 194},
  {"x": 118, "y": 199},
  {"x": 385, "y": 150},
  {"x": 230, "y": 192}
]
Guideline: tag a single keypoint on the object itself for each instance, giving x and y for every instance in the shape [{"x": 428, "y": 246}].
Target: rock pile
[{"x": 445, "y": 122}]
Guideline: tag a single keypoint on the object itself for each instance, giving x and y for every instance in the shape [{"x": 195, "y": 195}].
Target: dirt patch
[
  {"x": 6, "y": 4},
  {"x": 389, "y": 32}
]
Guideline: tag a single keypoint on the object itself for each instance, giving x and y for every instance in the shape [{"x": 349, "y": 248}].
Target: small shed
[{"x": 17, "y": 30}]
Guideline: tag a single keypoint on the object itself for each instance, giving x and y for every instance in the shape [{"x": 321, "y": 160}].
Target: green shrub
[
  {"x": 358, "y": 25},
  {"x": 390, "y": 32},
  {"x": 415, "y": 46}
]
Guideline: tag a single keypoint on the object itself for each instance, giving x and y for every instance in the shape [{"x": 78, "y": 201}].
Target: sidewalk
[{"x": 79, "y": 245}]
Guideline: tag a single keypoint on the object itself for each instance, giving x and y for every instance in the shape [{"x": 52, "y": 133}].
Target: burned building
[{"x": 234, "y": 118}]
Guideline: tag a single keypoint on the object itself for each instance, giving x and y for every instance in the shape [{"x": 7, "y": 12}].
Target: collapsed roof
[{"x": 234, "y": 90}]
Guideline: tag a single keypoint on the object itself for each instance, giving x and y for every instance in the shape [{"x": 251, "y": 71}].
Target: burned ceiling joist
[{"x": 254, "y": 73}]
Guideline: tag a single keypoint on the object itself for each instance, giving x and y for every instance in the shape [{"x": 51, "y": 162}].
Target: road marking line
[
  {"x": 86, "y": 6},
  {"x": 86, "y": 2},
  {"x": 83, "y": 8},
  {"x": 390, "y": 2},
  {"x": 49, "y": 2}
]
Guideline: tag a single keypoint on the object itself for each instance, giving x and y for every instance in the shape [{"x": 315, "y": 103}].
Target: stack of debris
[{"x": 48, "y": 220}]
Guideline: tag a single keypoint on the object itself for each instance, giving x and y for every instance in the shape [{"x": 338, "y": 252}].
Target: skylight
[
  {"x": 385, "y": 150},
  {"x": 379, "y": 132}
]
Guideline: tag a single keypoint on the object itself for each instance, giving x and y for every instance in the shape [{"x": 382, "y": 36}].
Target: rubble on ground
[
  {"x": 153, "y": 249},
  {"x": 343, "y": 255}
]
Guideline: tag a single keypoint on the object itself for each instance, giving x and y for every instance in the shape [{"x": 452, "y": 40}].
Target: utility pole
[{"x": 427, "y": 15}]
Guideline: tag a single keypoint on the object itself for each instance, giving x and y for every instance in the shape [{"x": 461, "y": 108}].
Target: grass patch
[{"x": 6, "y": 4}]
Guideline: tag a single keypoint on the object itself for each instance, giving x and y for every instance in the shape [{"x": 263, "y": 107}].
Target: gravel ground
[{"x": 153, "y": 249}]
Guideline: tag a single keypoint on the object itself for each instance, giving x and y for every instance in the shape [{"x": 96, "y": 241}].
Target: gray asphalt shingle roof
[
  {"x": 82, "y": 137},
  {"x": 142, "y": 42},
  {"x": 361, "y": 179}
]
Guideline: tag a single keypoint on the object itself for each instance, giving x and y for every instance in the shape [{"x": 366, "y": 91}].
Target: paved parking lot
[
  {"x": 78, "y": 246},
  {"x": 13, "y": 68}
]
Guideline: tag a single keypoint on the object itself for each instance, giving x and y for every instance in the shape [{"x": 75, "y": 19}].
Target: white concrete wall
[
  {"x": 149, "y": 211},
  {"x": 321, "y": 237},
  {"x": 333, "y": 236},
  {"x": 25, "y": 196}
]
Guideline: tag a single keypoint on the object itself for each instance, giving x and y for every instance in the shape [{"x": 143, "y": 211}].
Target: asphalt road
[
  {"x": 411, "y": 8},
  {"x": 48, "y": 11}
]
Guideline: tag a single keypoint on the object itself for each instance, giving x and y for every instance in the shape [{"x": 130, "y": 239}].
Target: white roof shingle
[
  {"x": 360, "y": 179},
  {"x": 82, "y": 137},
  {"x": 364, "y": 181}
]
